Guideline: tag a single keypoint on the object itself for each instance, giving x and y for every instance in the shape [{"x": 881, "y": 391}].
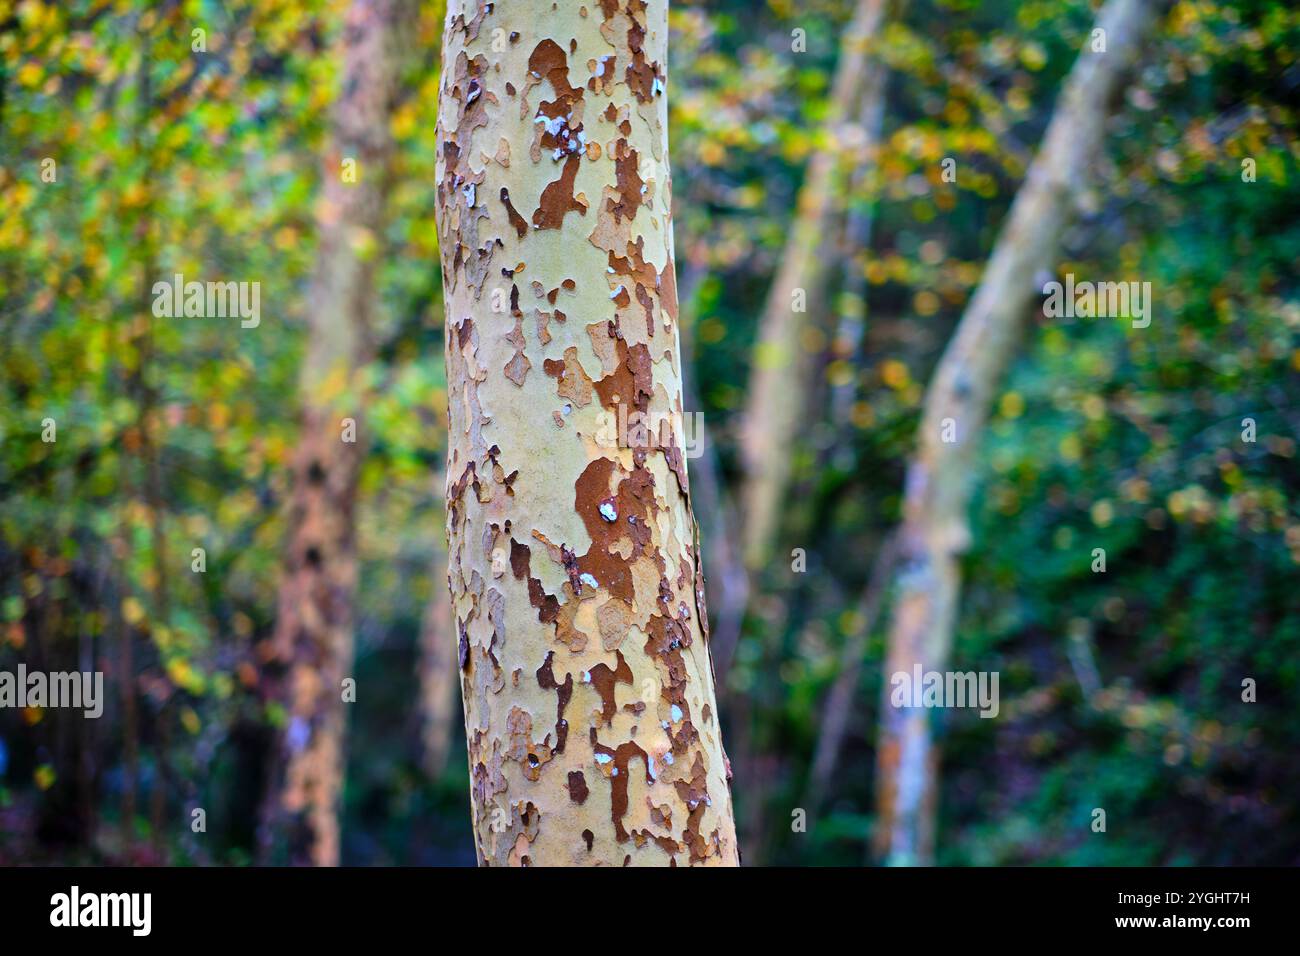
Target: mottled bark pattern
[
  {"x": 574, "y": 569},
  {"x": 312, "y": 649},
  {"x": 935, "y": 532}
]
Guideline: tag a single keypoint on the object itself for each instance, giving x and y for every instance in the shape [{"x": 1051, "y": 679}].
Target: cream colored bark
[
  {"x": 574, "y": 567},
  {"x": 935, "y": 529},
  {"x": 311, "y": 652},
  {"x": 779, "y": 381}
]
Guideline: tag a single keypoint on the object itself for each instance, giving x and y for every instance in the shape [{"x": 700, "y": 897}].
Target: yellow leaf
[
  {"x": 1012, "y": 405},
  {"x": 132, "y": 611}
]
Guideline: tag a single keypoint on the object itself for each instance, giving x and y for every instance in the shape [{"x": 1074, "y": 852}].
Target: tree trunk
[
  {"x": 935, "y": 531},
  {"x": 574, "y": 566},
  {"x": 847, "y": 347},
  {"x": 779, "y": 380},
  {"x": 851, "y": 303},
  {"x": 313, "y": 641}
]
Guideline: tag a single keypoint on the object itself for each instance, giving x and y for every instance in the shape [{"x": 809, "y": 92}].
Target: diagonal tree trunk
[
  {"x": 850, "y": 329},
  {"x": 313, "y": 643},
  {"x": 783, "y": 374},
  {"x": 851, "y": 303},
  {"x": 779, "y": 380},
  {"x": 574, "y": 562},
  {"x": 934, "y": 531}
]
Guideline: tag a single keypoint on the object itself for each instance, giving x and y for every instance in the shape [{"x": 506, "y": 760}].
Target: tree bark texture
[{"x": 573, "y": 559}]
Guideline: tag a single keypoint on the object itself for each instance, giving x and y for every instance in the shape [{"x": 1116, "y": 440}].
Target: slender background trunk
[
  {"x": 935, "y": 531},
  {"x": 313, "y": 643},
  {"x": 779, "y": 381},
  {"x": 574, "y": 561}
]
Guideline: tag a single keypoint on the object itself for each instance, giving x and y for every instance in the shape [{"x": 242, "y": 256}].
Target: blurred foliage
[{"x": 1106, "y": 436}]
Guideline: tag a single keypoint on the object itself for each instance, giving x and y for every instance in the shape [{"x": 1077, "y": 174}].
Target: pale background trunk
[
  {"x": 782, "y": 379},
  {"x": 779, "y": 381},
  {"x": 935, "y": 531},
  {"x": 313, "y": 643}
]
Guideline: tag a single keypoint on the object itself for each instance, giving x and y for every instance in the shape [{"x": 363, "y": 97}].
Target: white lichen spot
[
  {"x": 608, "y": 511},
  {"x": 676, "y": 713},
  {"x": 603, "y": 758},
  {"x": 588, "y": 580}
]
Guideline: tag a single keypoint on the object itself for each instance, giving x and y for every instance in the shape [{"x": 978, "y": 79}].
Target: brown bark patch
[
  {"x": 563, "y": 692},
  {"x": 557, "y": 198},
  {"x": 574, "y": 384},
  {"x": 516, "y": 220},
  {"x": 603, "y": 679},
  {"x": 578, "y": 791}
]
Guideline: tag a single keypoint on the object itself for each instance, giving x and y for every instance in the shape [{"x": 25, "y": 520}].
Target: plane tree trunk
[{"x": 574, "y": 562}]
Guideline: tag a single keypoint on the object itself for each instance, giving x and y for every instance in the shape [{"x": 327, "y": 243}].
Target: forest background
[{"x": 1120, "y": 690}]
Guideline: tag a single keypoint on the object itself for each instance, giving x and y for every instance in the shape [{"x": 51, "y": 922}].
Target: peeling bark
[
  {"x": 573, "y": 561},
  {"x": 935, "y": 532},
  {"x": 311, "y": 651},
  {"x": 779, "y": 381}
]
